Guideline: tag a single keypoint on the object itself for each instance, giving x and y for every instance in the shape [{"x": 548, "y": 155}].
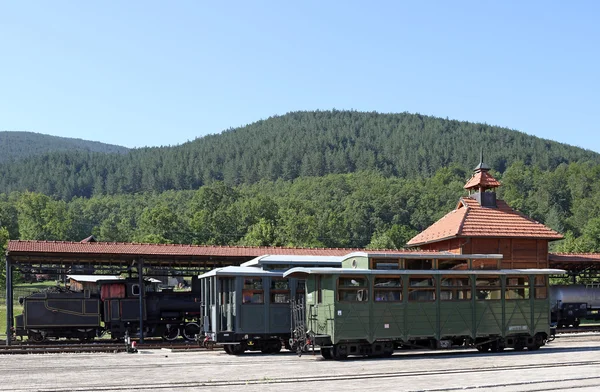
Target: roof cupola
[{"x": 480, "y": 182}]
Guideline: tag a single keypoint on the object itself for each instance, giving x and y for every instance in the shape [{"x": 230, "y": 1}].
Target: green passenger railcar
[{"x": 377, "y": 303}]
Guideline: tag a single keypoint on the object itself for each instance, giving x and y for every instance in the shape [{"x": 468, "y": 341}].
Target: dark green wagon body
[{"x": 361, "y": 311}]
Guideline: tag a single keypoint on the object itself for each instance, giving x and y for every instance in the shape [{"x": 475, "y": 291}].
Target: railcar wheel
[
  {"x": 483, "y": 347},
  {"x": 275, "y": 346},
  {"x": 497, "y": 346},
  {"x": 339, "y": 352},
  {"x": 237, "y": 349},
  {"x": 227, "y": 349},
  {"x": 519, "y": 346},
  {"x": 326, "y": 352}
]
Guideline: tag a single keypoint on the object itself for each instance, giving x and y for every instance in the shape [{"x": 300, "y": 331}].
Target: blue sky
[{"x": 151, "y": 73}]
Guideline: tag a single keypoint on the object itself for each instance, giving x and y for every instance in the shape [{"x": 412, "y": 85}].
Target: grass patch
[
  {"x": 36, "y": 285},
  {"x": 2, "y": 319}
]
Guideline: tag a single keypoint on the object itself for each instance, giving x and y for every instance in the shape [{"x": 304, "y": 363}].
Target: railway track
[
  {"x": 97, "y": 347},
  {"x": 539, "y": 385},
  {"x": 580, "y": 329}
]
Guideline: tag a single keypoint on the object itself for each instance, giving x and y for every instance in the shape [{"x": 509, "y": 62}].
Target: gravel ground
[{"x": 567, "y": 363}]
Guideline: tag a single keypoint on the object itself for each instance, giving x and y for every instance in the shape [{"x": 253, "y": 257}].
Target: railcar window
[
  {"x": 353, "y": 289},
  {"x": 280, "y": 291},
  {"x": 421, "y": 288},
  {"x": 135, "y": 289},
  {"x": 488, "y": 288},
  {"x": 385, "y": 264},
  {"x": 517, "y": 287},
  {"x": 455, "y": 288},
  {"x": 418, "y": 264},
  {"x": 541, "y": 290},
  {"x": 486, "y": 264},
  {"x": 319, "y": 290},
  {"x": 388, "y": 289},
  {"x": 253, "y": 291},
  {"x": 453, "y": 265},
  {"x": 300, "y": 290}
]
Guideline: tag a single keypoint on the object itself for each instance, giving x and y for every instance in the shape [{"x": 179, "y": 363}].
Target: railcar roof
[
  {"x": 332, "y": 261},
  {"x": 93, "y": 278},
  {"x": 240, "y": 271},
  {"x": 422, "y": 255},
  {"x": 354, "y": 271}
]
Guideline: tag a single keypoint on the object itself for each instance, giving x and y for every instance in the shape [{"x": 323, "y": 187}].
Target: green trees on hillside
[
  {"x": 299, "y": 144},
  {"x": 364, "y": 209}
]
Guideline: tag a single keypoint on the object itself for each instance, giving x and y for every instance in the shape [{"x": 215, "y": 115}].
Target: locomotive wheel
[
  {"x": 37, "y": 337},
  {"x": 227, "y": 349},
  {"x": 171, "y": 332},
  {"x": 190, "y": 330}
]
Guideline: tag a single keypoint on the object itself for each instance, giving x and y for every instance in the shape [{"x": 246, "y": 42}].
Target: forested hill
[
  {"x": 286, "y": 147},
  {"x": 19, "y": 145}
]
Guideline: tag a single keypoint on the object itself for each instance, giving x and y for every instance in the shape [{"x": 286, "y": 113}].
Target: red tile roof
[
  {"x": 470, "y": 219},
  {"x": 482, "y": 178},
  {"x": 574, "y": 261},
  {"x": 574, "y": 257},
  {"x": 119, "y": 248}
]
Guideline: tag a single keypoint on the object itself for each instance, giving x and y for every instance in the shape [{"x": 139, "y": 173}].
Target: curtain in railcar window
[
  {"x": 280, "y": 291},
  {"x": 353, "y": 289}
]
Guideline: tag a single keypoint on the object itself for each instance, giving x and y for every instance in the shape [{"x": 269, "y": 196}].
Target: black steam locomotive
[{"x": 114, "y": 308}]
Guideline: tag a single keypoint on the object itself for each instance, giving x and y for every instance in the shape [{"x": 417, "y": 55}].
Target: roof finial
[{"x": 481, "y": 166}]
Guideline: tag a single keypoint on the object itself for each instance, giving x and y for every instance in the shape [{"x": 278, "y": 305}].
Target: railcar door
[
  {"x": 456, "y": 306},
  {"x": 421, "y": 310},
  {"x": 227, "y": 304},
  {"x": 488, "y": 315},
  {"x": 279, "y": 306},
  {"x": 252, "y": 309},
  {"x": 517, "y": 305}
]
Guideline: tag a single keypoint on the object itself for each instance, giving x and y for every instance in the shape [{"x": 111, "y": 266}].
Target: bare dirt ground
[{"x": 567, "y": 363}]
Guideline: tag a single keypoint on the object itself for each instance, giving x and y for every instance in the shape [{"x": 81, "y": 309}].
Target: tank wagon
[
  {"x": 573, "y": 303},
  {"x": 114, "y": 308},
  {"x": 377, "y": 303},
  {"x": 248, "y": 306}
]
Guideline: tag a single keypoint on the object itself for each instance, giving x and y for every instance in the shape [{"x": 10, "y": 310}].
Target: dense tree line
[
  {"x": 363, "y": 209},
  {"x": 295, "y": 145},
  {"x": 15, "y": 146}
]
